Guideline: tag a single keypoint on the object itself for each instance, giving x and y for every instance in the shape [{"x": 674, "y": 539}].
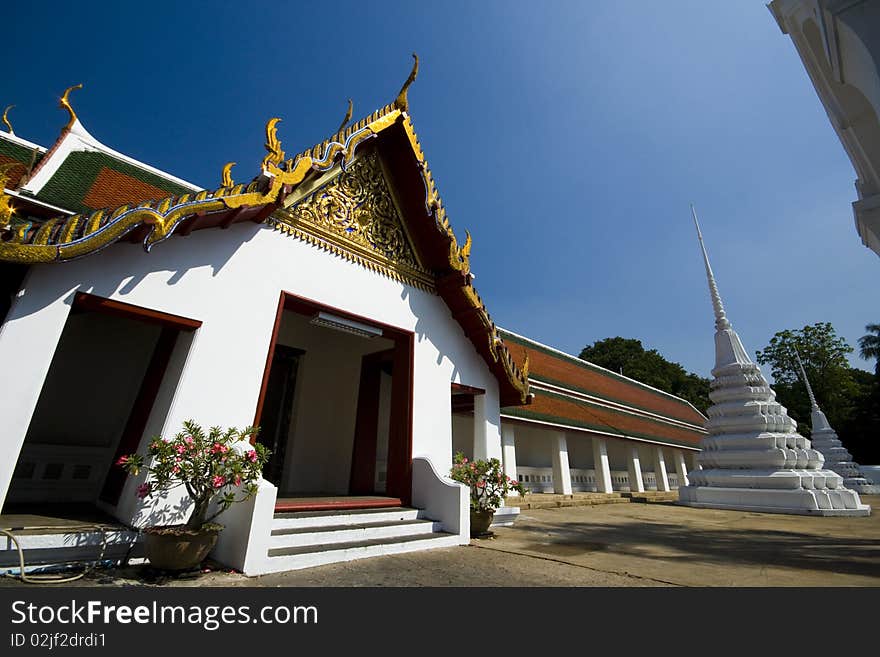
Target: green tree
[
  {"x": 823, "y": 353},
  {"x": 869, "y": 346},
  {"x": 629, "y": 357}
]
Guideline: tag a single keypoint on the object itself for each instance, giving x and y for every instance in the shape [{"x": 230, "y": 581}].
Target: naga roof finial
[
  {"x": 721, "y": 322},
  {"x": 813, "y": 405},
  {"x": 274, "y": 156},
  {"x": 401, "y": 102},
  {"x": 226, "y": 176},
  {"x": 347, "y": 116},
  {"x": 64, "y": 103},
  {"x": 6, "y": 119}
]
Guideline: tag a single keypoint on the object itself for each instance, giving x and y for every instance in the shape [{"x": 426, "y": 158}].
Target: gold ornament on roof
[
  {"x": 347, "y": 116},
  {"x": 226, "y": 177},
  {"x": 64, "y": 103},
  {"x": 274, "y": 156},
  {"x": 6, "y": 119},
  {"x": 6, "y": 207},
  {"x": 401, "y": 102}
]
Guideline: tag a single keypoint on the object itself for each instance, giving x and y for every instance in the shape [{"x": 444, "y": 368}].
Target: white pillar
[
  {"x": 561, "y": 471},
  {"x": 681, "y": 468},
  {"x": 660, "y": 470},
  {"x": 487, "y": 438},
  {"x": 508, "y": 452},
  {"x": 601, "y": 466},
  {"x": 636, "y": 483},
  {"x": 28, "y": 341}
]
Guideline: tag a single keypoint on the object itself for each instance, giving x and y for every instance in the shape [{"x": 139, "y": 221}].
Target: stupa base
[
  {"x": 797, "y": 502},
  {"x": 863, "y": 489}
]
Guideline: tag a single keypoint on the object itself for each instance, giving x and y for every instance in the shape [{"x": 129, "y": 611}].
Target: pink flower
[
  {"x": 237, "y": 481},
  {"x": 175, "y": 469},
  {"x": 251, "y": 456},
  {"x": 188, "y": 440},
  {"x": 143, "y": 490},
  {"x": 481, "y": 484},
  {"x": 464, "y": 460},
  {"x": 180, "y": 449},
  {"x": 218, "y": 481},
  {"x": 122, "y": 460}
]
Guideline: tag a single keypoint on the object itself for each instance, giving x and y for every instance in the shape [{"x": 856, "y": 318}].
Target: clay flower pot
[
  {"x": 480, "y": 521},
  {"x": 175, "y": 547}
]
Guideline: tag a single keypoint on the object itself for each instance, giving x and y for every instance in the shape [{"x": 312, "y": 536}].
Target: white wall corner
[{"x": 442, "y": 499}]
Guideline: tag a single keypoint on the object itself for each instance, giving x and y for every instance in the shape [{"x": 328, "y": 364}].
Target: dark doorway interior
[{"x": 278, "y": 409}]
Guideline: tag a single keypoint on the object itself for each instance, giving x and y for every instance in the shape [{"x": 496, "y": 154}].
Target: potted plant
[
  {"x": 489, "y": 486},
  {"x": 217, "y": 468}
]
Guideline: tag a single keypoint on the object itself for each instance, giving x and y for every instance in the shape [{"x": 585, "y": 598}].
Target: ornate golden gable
[{"x": 354, "y": 215}]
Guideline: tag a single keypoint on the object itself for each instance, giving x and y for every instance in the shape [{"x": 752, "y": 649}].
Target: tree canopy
[{"x": 628, "y": 357}]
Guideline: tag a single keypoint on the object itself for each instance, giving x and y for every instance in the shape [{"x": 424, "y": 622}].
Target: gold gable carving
[{"x": 354, "y": 216}]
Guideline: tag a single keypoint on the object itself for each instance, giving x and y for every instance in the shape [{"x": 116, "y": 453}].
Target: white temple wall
[{"x": 231, "y": 280}]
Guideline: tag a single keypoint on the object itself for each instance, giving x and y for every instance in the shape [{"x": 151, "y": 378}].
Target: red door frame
[{"x": 399, "y": 472}]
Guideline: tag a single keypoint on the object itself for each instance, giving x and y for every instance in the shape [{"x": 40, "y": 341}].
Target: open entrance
[
  {"x": 336, "y": 410},
  {"x": 115, "y": 367}
]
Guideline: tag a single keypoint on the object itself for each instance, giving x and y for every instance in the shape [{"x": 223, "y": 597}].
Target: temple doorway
[
  {"x": 111, "y": 381},
  {"x": 335, "y": 409}
]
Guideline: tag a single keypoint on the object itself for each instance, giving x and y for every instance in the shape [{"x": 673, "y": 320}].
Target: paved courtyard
[{"x": 607, "y": 545}]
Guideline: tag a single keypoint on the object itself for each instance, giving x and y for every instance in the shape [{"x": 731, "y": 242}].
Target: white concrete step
[
  {"x": 296, "y": 558},
  {"x": 349, "y": 533},
  {"x": 309, "y": 519}
]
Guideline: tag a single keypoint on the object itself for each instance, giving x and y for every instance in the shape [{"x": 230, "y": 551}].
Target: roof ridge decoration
[
  {"x": 226, "y": 175},
  {"x": 347, "y": 116},
  {"x": 64, "y": 103},
  {"x": 67, "y": 238},
  {"x": 6, "y": 120}
]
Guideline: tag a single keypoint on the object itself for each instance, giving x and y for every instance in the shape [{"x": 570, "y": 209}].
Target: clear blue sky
[{"x": 568, "y": 137}]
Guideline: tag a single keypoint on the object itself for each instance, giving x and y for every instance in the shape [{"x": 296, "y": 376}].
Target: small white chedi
[
  {"x": 753, "y": 458},
  {"x": 825, "y": 440}
]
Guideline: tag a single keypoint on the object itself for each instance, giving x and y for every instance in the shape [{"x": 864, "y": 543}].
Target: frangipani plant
[
  {"x": 218, "y": 468},
  {"x": 489, "y": 485}
]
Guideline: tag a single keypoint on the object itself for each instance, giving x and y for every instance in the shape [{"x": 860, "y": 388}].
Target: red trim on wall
[
  {"x": 84, "y": 302},
  {"x": 258, "y": 414}
]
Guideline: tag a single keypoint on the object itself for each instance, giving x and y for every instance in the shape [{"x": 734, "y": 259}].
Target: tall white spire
[
  {"x": 753, "y": 458},
  {"x": 824, "y": 439},
  {"x": 721, "y": 322},
  {"x": 813, "y": 405}
]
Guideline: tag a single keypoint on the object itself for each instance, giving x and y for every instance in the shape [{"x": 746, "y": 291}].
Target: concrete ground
[{"x": 607, "y": 545}]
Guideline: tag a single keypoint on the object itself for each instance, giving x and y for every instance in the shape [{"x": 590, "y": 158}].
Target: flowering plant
[
  {"x": 489, "y": 485},
  {"x": 212, "y": 466}
]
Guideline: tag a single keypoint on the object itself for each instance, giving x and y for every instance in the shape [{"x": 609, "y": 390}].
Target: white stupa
[
  {"x": 825, "y": 440},
  {"x": 753, "y": 458}
]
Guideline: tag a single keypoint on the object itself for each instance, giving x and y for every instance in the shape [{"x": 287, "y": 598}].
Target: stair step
[
  {"x": 313, "y": 519},
  {"x": 357, "y": 545},
  {"x": 339, "y": 534},
  {"x": 298, "y": 558}
]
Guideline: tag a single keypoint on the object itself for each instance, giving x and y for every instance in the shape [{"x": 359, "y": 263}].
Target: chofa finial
[
  {"x": 6, "y": 119},
  {"x": 65, "y": 104},
  {"x": 226, "y": 176},
  {"x": 401, "y": 102},
  {"x": 721, "y": 322},
  {"x": 347, "y": 116},
  {"x": 274, "y": 156}
]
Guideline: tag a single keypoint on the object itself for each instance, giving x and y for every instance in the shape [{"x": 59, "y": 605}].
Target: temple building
[
  {"x": 838, "y": 42},
  {"x": 328, "y": 300}
]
